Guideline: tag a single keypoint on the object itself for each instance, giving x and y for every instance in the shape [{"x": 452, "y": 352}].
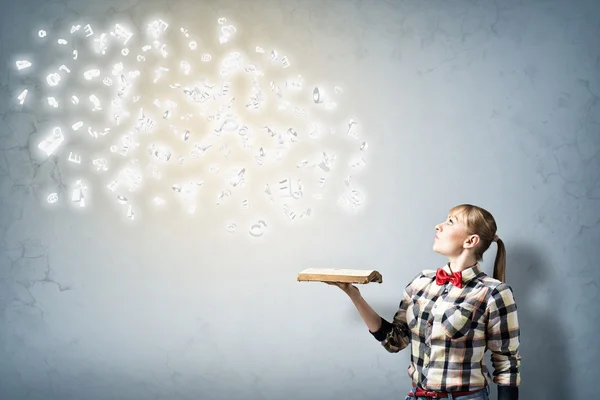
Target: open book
[{"x": 340, "y": 275}]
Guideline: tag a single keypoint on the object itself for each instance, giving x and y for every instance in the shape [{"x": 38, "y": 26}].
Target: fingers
[{"x": 342, "y": 285}]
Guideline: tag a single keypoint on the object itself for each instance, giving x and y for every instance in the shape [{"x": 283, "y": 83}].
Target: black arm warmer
[
  {"x": 386, "y": 328},
  {"x": 508, "y": 393}
]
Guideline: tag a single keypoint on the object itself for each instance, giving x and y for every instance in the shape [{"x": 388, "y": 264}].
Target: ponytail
[{"x": 500, "y": 262}]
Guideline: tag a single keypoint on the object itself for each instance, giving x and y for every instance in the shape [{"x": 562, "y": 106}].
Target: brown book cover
[{"x": 339, "y": 275}]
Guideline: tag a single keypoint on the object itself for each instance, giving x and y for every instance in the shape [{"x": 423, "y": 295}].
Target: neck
[{"x": 462, "y": 262}]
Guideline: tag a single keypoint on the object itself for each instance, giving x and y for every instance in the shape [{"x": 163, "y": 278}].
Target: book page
[{"x": 332, "y": 271}]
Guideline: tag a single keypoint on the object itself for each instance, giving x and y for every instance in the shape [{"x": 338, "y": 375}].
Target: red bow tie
[{"x": 442, "y": 277}]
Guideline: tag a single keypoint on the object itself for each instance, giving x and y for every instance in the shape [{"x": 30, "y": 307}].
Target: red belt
[{"x": 438, "y": 395}]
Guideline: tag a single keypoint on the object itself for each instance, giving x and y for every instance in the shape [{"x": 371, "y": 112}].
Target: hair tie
[{"x": 495, "y": 239}]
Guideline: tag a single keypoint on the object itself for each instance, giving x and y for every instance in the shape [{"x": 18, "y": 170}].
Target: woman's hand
[{"x": 348, "y": 288}]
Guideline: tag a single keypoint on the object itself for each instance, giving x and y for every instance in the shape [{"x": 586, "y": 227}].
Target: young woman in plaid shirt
[{"x": 450, "y": 316}]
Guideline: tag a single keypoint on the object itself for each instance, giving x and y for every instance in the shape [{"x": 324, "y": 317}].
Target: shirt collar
[{"x": 467, "y": 274}]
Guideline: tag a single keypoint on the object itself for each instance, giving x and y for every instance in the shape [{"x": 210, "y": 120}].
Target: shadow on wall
[{"x": 545, "y": 366}]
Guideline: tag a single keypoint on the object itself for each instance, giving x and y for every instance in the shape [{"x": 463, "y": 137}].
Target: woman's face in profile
[{"x": 450, "y": 236}]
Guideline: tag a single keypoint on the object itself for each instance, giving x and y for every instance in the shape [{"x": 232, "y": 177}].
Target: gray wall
[{"x": 489, "y": 103}]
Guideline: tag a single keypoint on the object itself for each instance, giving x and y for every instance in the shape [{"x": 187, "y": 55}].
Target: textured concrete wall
[{"x": 489, "y": 103}]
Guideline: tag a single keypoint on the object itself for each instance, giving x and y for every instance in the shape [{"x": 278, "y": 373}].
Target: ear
[{"x": 471, "y": 241}]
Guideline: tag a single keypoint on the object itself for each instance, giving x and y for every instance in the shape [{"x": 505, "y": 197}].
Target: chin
[{"x": 437, "y": 250}]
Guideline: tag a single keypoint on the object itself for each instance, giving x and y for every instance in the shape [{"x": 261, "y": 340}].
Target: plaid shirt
[{"x": 450, "y": 329}]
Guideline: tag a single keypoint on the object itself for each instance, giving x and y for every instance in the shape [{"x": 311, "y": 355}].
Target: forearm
[{"x": 371, "y": 318}]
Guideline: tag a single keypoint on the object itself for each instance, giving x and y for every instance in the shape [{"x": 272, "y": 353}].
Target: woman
[{"x": 452, "y": 315}]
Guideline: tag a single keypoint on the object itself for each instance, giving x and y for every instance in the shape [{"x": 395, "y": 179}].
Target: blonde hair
[{"x": 479, "y": 221}]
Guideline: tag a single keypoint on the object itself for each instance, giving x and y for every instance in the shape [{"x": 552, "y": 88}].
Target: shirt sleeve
[
  {"x": 503, "y": 336},
  {"x": 395, "y": 336}
]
